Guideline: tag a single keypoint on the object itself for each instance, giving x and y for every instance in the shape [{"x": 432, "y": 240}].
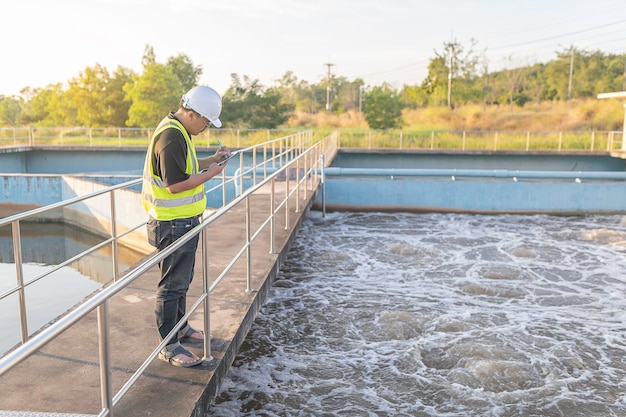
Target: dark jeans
[{"x": 176, "y": 271}]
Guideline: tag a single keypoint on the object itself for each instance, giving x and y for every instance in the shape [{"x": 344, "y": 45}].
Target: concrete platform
[{"x": 63, "y": 377}]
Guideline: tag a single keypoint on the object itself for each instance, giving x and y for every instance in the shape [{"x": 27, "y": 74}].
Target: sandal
[
  {"x": 185, "y": 337},
  {"x": 170, "y": 357}
]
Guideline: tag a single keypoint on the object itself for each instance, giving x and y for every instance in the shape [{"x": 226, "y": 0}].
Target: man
[{"x": 174, "y": 198}]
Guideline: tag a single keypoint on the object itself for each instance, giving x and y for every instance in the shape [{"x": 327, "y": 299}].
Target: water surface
[{"x": 440, "y": 315}]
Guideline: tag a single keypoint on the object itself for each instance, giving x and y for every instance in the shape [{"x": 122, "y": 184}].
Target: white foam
[{"x": 441, "y": 315}]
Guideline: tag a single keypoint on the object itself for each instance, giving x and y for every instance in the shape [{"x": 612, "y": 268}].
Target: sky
[{"x": 48, "y": 42}]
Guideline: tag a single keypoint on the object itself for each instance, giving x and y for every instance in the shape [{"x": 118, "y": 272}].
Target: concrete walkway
[{"x": 63, "y": 378}]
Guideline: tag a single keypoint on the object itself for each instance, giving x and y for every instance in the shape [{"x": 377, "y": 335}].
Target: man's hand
[{"x": 222, "y": 153}]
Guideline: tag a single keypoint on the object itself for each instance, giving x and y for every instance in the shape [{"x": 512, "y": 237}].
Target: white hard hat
[{"x": 204, "y": 101}]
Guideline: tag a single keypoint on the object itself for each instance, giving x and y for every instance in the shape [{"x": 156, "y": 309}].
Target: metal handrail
[{"x": 310, "y": 158}]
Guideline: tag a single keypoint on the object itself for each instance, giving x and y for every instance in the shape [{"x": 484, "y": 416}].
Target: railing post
[
  {"x": 593, "y": 140},
  {"x": 323, "y": 186},
  {"x": 272, "y": 214},
  {"x": 307, "y": 164},
  {"x": 106, "y": 397},
  {"x": 241, "y": 173},
  {"x": 254, "y": 166},
  {"x": 207, "y": 299},
  {"x": 19, "y": 270},
  {"x": 527, "y": 141},
  {"x": 287, "y": 199},
  {"x": 298, "y": 186},
  {"x": 432, "y": 139},
  {"x": 224, "y": 187},
  {"x": 248, "y": 248},
  {"x": 114, "y": 246},
  {"x": 264, "y": 160},
  {"x": 560, "y": 140},
  {"x": 463, "y": 145},
  {"x": 495, "y": 141}
]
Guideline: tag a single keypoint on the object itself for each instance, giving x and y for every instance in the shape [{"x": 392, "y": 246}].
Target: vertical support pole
[
  {"x": 19, "y": 271},
  {"x": 106, "y": 397},
  {"x": 287, "y": 198},
  {"x": 114, "y": 243},
  {"x": 207, "y": 299},
  {"x": 593, "y": 140},
  {"x": 265, "y": 160},
  {"x": 323, "y": 187},
  {"x": 298, "y": 185},
  {"x": 248, "y": 249},
  {"x": 224, "y": 187},
  {"x": 624, "y": 131},
  {"x": 253, "y": 166},
  {"x": 272, "y": 214}
]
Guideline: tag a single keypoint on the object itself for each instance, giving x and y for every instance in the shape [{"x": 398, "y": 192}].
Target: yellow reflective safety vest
[{"x": 155, "y": 198}]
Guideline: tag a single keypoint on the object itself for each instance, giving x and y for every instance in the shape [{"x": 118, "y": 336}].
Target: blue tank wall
[
  {"x": 63, "y": 160},
  {"x": 488, "y": 160},
  {"x": 368, "y": 180},
  {"x": 472, "y": 195}
]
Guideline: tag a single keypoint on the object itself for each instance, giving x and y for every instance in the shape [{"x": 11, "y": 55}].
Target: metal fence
[
  {"x": 120, "y": 136},
  {"x": 591, "y": 141},
  {"x": 482, "y": 140},
  {"x": 296, "y": 154}
]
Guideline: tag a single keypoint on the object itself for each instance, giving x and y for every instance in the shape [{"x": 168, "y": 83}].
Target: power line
[{"x": 559, "y": 36}]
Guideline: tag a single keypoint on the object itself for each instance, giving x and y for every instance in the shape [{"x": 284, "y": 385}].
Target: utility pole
[
  {"x": 624, "y": 82},
  {"x": 328, "y": 86},
  {"x": 450, "y": 52},
  {"x": 571, "y": 72},
  {"x": 360, "y": 99}
]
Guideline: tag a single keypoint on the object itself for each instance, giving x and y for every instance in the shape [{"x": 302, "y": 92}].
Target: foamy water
[{"x": 440, "y": 315}]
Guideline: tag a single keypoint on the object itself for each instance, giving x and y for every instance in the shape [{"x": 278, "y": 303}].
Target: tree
[
  {"x": 514, "y": 82},
  {"x": 9, "y": 111},
  {"x": 87, "y": 93},
  {"x": 115, "y": 97},
  {"x": 152, "y": 95},
  {"x": 435, "y": 83},
  {"x": 347, "y": 94},
  {"x": 460, "y": 72},
  {"x": 183, "y": 68},
  {"x": 48, "y": 107},
  {"x": 248, "y": 105},
  {"x": 383, "y": 108},
  {"x": 159, "y": 89}
]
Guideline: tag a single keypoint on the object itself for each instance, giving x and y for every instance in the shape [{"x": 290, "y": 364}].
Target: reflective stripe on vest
[{"x": 156, "y": 199}]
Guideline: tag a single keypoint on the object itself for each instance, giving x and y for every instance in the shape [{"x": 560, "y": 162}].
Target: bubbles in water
[{"x": 440, "y": 315}]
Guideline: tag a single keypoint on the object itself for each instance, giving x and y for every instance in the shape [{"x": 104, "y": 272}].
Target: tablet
[{"x": 222, "y": 162}]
